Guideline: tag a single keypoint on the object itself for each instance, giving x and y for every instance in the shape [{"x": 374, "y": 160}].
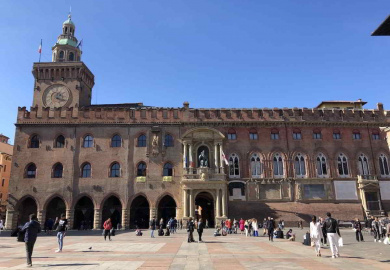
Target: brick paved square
[{"x": 127, "y": 251}]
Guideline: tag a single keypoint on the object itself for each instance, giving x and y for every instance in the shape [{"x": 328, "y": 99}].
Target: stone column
[
  {"x": 216, "y": 157},
  {"x": 41, "y": 215},
  {"x": 218, "y": 204},
  {"x": 190, "y": 156},
  {"x": 153, "y": 212},
  {"x": 224, "y": 214},
  {"x": 185, "y": 204},
  {"x": 70, "y": 217},
  {"x": 191, "y": 202},
  {"x": 97, "y": 222},
  {"x": 125, "y": 219},
  {"x": 11, "y": 219},
  {"x": 185, "y": 155}
]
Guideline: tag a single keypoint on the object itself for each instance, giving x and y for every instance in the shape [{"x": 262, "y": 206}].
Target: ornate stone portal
[{"x": 206, "y": 175}]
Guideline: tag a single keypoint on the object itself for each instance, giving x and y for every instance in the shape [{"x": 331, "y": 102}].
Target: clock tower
[{"x": 66, "y": 81}]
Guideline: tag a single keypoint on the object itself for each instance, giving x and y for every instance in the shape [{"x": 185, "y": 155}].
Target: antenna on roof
[{"x": 70, "y": 11}]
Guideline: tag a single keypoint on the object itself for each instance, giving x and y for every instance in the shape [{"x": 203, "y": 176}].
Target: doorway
[{"x": 204, "y": 208}]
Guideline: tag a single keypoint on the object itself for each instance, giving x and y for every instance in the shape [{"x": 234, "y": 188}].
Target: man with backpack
[
  {"x": 30, "y": 230},
  {"x": 61, "y": 227},
  {"x": 152, "y": 225}
]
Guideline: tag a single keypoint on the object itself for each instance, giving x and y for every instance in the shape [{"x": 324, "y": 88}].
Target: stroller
[{"x": 160, "y": 232}]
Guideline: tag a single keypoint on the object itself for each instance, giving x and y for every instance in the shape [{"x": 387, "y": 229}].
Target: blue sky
[{"x": 290, "y": 53}]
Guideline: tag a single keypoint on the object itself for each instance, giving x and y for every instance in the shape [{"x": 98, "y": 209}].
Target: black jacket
[
  {"x": 270, "y": 224},
  {"x": 200, "y": 227},
  {"x": 191, "y": 226},
  {"x": 31, "y": 229},
  {"x": 61, "y": 225},
  {"x": 331, "y": 226},
  {"x": 152, "y": 224}
]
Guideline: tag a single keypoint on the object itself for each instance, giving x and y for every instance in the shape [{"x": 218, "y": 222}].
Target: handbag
[{"x": 341, "y": 242}]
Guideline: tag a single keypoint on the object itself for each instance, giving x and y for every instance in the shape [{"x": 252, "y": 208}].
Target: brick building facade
[{"x": 130, "y": 161}]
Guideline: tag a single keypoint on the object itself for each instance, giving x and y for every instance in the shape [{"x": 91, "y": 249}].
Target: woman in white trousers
[{"x": 316, "y": 234}]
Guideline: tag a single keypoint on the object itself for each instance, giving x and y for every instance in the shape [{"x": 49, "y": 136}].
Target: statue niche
[{"x": 203, "y": 157}]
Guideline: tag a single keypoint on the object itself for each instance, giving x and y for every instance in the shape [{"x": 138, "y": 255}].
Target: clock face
[{"x": 56, "y": 96}]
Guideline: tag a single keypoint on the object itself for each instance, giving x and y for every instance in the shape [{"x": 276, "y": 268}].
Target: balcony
[{"x": 204, "y": 174}]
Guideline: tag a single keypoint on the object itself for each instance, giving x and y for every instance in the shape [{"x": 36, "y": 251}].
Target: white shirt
[
  {"x": 254, "y": 225},
  {"x": 315, "y": 230}
]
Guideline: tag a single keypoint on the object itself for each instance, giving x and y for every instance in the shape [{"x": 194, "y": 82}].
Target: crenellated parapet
[{"x": 139, "y": 114}]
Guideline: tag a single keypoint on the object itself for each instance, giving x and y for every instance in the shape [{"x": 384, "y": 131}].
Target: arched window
[
  {"x": 322, "y": 169},
  {"x": 383, "y": 165},
  {"x": 278, "y": 165},
  {"x": 342, "y": 165},
  {"x": 31, "y": 171},
  {"x": 356, "y": 134},
  {"x": 141, "y": 141},
  {"x": 234, "y": 166},
  {"x": 232, "y": 135},
  {"x": 57, "y": 170},
  {"x": 141, "y": 169},
  {"x": 297, "y": 135},
  {"x": 168, "y": 142},
  {"x": 60, "y": 142},
  {"x": 88, "y": 141},
  {"x": 336, "y": 134},
  {"x": 61, "y": 56},
  {"x": 86, "y": 170},
  {"x": 66, "y": 30},
  {"x": 317, "y": 134},
  {"x": 363, "y": 165},
  {"x": 375, "y": 135},
  {"x": 256, "y": 166},
  {"x": 299, "y": 165},
  {"x": 253, "y": 134},
  {"x": 274, "y": 134},
  {"x": 168, "y": 169},
  {"x": 71, "y": 56},
  {"x": 34, "y": 141},
  {"x": 116, "y": 141},
  {"x": 115, "y": 170}
]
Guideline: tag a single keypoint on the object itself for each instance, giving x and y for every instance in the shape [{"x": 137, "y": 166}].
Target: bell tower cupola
[
  {"x": 65, "y": 82},
  {"x": 67, "y": 48}
]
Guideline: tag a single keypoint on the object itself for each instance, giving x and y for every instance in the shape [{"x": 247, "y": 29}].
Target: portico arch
[
  {"x": 166, "y": 208},
  {"x": 26, "y": 207},
  {"x": 55, "y": 207},
  {"x": 112, "y": 208}
]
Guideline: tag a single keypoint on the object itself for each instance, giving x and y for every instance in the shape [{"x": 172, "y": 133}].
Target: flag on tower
[
  {"x": 224, "y": 157},
  {"x": 40, "y": 47},
  {"x": 80, "y": 44}
]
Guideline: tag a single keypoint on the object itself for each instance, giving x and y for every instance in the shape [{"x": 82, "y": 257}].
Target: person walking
[
  {"x": 316, "y": 234},
  {"x": 190, "y": 230},
  {"x": 377, "y": 229},
  {"x": 255, "y": 227},
  {"x": 207, "y": 224},
  {"x": 107, "y": 229},
  {"x": 333, "y": 233},
  {"x": 323, "y": 239},
  {"x": 270, "y": 229},
  {"x": 200, "y": 230},
  {"x": 61, "y": 226},
  {"x": 358, "y": 230},
  {"x": 31, "y": 230},
  {"x": 246, "y": 225},
  {"x": 152, "y": 226},
  {"x": 242, "y": 225}
]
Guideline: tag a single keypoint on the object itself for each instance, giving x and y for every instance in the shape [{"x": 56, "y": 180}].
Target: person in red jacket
[{"x": 107, "y": 229}]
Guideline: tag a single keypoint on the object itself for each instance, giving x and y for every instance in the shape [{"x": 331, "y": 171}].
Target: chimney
[
  {"x": 379, "y": 106},
  {"x": 186, "y": 105}
]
